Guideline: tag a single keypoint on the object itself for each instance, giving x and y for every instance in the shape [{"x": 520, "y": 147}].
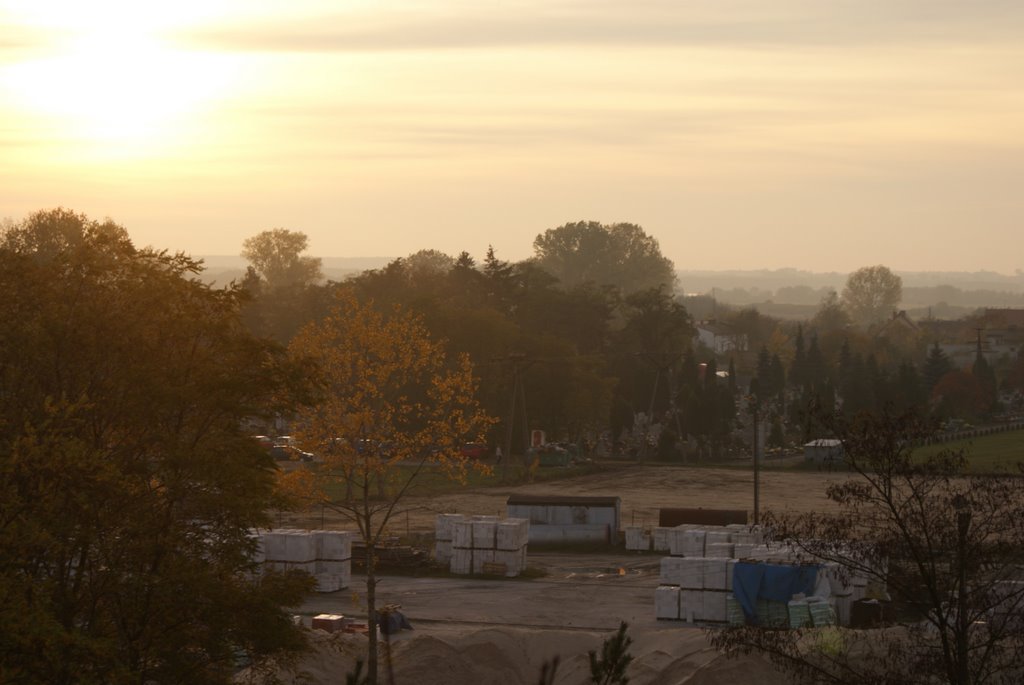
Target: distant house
[
  {"x": 898, "y": 326},
  {"x": 720, "y": 337},
  {"x": 999, "y": 331}
]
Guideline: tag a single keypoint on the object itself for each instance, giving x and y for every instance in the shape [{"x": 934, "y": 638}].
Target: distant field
[{"x": 999, "y": 452}]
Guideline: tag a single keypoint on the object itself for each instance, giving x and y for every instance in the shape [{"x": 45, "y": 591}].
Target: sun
[{"x": 109, "y": 78}]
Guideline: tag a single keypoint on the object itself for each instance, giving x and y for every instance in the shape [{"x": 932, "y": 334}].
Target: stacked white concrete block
[
  {"x": 666, "y": 602},
  {"x": 699, "y": 574},
  {"x": 324, "y": 554},
  {"x": 480, "y": 540},
  {"x": 659, "y": 538},
  {"x": 701, "y": 586},
  {"x": 684, "y": 542},
  {"x": 697, "y": 577},
  {"x": 638, "y": 539},
  {"x": 462, "y": 547},
  {"x": 333, "y": 559},
  {"x": 444, "y": 529}
]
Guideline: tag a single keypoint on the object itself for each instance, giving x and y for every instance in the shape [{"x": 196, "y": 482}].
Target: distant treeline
[{"x": 941, "y": 297}]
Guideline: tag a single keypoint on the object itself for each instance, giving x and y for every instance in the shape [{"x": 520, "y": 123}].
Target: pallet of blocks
[
  {"x": 324, "y": 554},
  {"x": 701, "y": 584},
  {"x": 638, "y": 539},
  {"x": 444, "y": 530},
  {"x": 487, "y": 545},
  {"x": 706, "y": 561}
]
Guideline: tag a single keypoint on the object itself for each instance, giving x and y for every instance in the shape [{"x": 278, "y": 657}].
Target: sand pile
[{"x": 512, "y": 656}]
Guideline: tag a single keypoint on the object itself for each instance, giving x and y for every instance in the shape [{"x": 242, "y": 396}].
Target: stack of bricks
[
  {"x": 444, "y": 529},
  {"x": 324, "y": 554},
  {"x": 694, "y": 589},
  {"x": 485, "y": 544},
  {"x": 696, "y": 580}
]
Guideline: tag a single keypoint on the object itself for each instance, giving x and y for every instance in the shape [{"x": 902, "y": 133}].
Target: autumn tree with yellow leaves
[{"x": 391, "y": 407}]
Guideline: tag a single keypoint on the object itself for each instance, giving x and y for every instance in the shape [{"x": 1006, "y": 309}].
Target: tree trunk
[{"x": 371, "y": 609}]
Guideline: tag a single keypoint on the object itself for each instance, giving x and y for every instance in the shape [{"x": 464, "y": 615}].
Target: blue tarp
[{"x": 774, "y": 582}]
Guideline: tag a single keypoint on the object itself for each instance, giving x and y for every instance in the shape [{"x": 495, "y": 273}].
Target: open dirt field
[
  {"x": 644, "y": 489},
  {"x": 472, "y": 630},
  {"x": 499, "y": 631}
]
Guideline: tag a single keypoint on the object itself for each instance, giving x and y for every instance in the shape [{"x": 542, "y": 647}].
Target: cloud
[{"x": 731, "y": 23}]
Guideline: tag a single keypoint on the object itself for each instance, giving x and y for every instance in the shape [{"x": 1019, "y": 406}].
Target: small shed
[
  {"x": 824, "y": 451},
  {"x": 555, "y": 518}
]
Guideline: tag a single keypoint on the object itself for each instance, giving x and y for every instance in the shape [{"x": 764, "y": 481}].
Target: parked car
[
  {"x": 474, "y": 450},
  {"x": 289, "y": 453}
]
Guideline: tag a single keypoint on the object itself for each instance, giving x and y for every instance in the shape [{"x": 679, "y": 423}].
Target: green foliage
[
  {"x": 127, "y": 485},
  {"x": 388, "y": 397},
  {"x": 619, "y": 255},
  {"x": 610, "y": 667},
  {"x": 276, "y": 255},
  {"x": 936, "y": 366},
  {"x": 871, "y": 294},
  {"x": 945, "y": 544}
]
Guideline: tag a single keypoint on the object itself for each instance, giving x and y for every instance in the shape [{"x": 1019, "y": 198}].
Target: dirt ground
[
  {"x": 482, "y": 630},
  {"x": 644, "y": 489},
  {"x": 473, "y": 630}
]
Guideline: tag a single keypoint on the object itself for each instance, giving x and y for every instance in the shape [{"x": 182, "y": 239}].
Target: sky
[{"x": 742, "y": 134}]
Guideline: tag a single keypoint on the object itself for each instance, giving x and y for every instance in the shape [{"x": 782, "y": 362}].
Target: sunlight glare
[{"x": 109, "y": 81}]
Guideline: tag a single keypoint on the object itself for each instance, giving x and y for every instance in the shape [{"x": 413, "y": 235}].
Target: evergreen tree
[
  {"x": 936, "y": 366},
  {"x": 798, "y": 369},
  {"x": 610, "y": 667},
  {"x": 986, "y": 377},
  {"x": 855, "y": 391},
  {"x": 817, "y": 372},
  {"x": 500, "y": 278},
  {"x": 908, "y": 392},
  {"x": 777, "y": 378}
]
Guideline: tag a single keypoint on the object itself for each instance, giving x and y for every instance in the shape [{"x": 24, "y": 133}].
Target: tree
[
  {"x": 986, "y": 376},
  {"x": 947, "y": 545},
  {"x": 936, "y": 366},
  {"x": 960, "y": 394},
  {"x": 610, "y": 667},
  {"x": 830, "y": 317},
  {"x": 391, "y": 407},
  {"x": 276, "y": 255},
  {"x": 620, "y": 255},
  {"x": 798, "y": 376},
  {"x": 128, "y": 487},
  {"x": 427, "y": 263},
  {"x": 871, "y": 294}
]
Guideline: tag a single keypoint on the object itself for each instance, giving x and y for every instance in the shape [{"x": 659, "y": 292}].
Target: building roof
[
  {"x": 824, "y": 442},
  {"x": 717, "y": 328},
  {"x": 563, "y": 501}
]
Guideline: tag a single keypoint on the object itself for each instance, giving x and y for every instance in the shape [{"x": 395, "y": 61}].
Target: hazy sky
[{"x": 816, "y": 134}]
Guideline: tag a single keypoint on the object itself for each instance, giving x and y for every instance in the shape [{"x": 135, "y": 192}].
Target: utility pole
[
  {"x": 757, "y": 464},
  {"x": 519, "y": 365},
  {"x": 754, "y": 405},
  {"x": 663, "y": 363}
]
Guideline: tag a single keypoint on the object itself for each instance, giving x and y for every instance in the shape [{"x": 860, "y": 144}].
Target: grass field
[{"x": 1000, "y": 452}]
